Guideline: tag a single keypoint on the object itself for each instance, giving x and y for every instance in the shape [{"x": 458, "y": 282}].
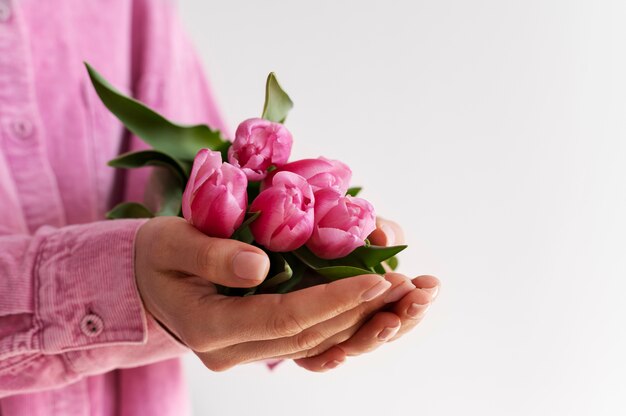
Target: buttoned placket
[
  {"x": 22, "y": 138},
  {"x": 23, "y": 145}
]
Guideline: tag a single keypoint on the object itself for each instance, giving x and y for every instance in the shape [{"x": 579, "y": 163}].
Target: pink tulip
[
  {"x": 286, "y": 219},
  {"x": 215, "y": 198},
  {"x": 321, "y": 173},
  {"x": 258, "y": 145},
  {"x": 342, "y": 223}
]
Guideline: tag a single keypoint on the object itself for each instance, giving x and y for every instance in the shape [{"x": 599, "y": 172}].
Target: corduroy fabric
[{"x": 74, "y": 337}]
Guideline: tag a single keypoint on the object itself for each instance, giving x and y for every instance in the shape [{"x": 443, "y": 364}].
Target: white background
[{"x": 494, "y": 131}]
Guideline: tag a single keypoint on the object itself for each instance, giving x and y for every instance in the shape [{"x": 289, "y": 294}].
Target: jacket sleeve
[{"x": 69, "y": 307}]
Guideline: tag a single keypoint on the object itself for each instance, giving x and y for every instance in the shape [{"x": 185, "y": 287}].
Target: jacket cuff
[
  {"x": 160, "y": 346},
  {"x": 86, "y": 293}
]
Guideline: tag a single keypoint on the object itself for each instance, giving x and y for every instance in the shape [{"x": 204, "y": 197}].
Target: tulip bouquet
[{"x": 302, "y": 213}]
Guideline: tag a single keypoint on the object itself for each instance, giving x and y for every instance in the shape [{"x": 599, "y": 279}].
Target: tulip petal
[
  {"x": 236, "y": 182},
  {"x": 341, "y": 224},
  {"x": 333, "y": 243},
  {"x": 212, "y": 162},
  {"x": 204, "y": 164},
  {"x": 321, "y": 173},
  {"x": 325, "y": 200},
  {"x": 215, "y": 198},
  {"x": 201, "y": 204},
  {"x": 292, "y": 238},
  {"x": 226, "y": 215},
  {"x": 269, "y": 204},
  {"x": 286, "y": 219},
  {"x": 258, "y": 144}
]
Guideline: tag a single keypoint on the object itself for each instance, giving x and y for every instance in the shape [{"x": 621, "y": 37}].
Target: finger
[
  {"x": 221, "y": 261},
  {"x": 377, "y": 331},
  {"x": 290, "y": 347},
  {"x": 387, "y": 233},
  {"x": 401, "y": 285},
  {"x": 382, "y": 327},
  {"x": 301, "y": 344},
  {"x": 429, "y": 283},
  {"x": 329, "y": 343},
  {"x": 330, "y": 359},
  {"x": 231, "y": 320},
  {"x": 411, "y": 309}
]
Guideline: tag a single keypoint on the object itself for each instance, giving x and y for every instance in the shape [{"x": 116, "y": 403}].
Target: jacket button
[
  {"x": 22, "y": 128},
  {"x": 91, "y": 325}
]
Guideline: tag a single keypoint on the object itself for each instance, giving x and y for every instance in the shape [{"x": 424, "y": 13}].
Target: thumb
[{"x": 220, "y": 261}]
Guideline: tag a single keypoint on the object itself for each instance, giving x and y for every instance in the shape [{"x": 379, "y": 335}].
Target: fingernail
[
  {"x": 389, "y": 234},
  {"x": 332, "y": 364},
  {"x": 377, "y": 290},
  {"x": 433, "y": 291},
  {"x": 399, "y": 291},
  {"x": 416, "y": 309},
  {"x": 249, "y": 265},
  {"x": 388, "y": 333}
]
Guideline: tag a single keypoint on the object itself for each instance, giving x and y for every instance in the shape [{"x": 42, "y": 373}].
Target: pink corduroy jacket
[{"x": 74, "y": 337}]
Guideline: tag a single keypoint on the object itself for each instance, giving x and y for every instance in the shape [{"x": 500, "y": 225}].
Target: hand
[
  {"x": 399, "y": 318},
  {"x": 177, "y": 268}
]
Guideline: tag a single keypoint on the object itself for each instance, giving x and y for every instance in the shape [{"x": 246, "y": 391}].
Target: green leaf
[
  {"x": 341, "y": 272},
  {"x": 379, "y": 268},
  {"x": 250, "y": 216},
  {"x": 392, "y": 262},
  {"x": 253, "y": 190},
  {"x": 363, "y": 260},
  {"x": 290, "y": 284},
  {"x": 364, "y": 257},
  {"x": 129, "y": 210},
  {"x": 242, "y": 233},
  {"x": 277, "y": 102},
  {"x": 373, "y": 255},
  {"x": 245, "y": 236},
  {"x": 298, "y": 271},
  {"x": 354, "y": 191},
  {"x": 171, "y": 201},
  {"x": 307, "y": 257},
  {"x": 223, "y": 290},
  {"x": 330, "y": 268},
  {"x": 279, "y": 270},
  {"x": 278, "y": 278},
  {"x": 223, "y": 149},
  {"x": 164, "y": 192},
  {"x": 180, "y": 142},
  {"x": 150, "y": 158}
]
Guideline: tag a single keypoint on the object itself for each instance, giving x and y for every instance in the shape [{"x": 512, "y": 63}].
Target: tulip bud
[
  {"x": 342, "y": 223},
  {"x": 321, "y": 173},
  {"x": 258, "y": 145},
  {"x": 286, "y": 219},
  {"x": 215, "y": 198}
]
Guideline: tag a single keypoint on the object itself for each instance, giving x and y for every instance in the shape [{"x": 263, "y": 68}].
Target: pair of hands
[{"x": 177, "y": 268}]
